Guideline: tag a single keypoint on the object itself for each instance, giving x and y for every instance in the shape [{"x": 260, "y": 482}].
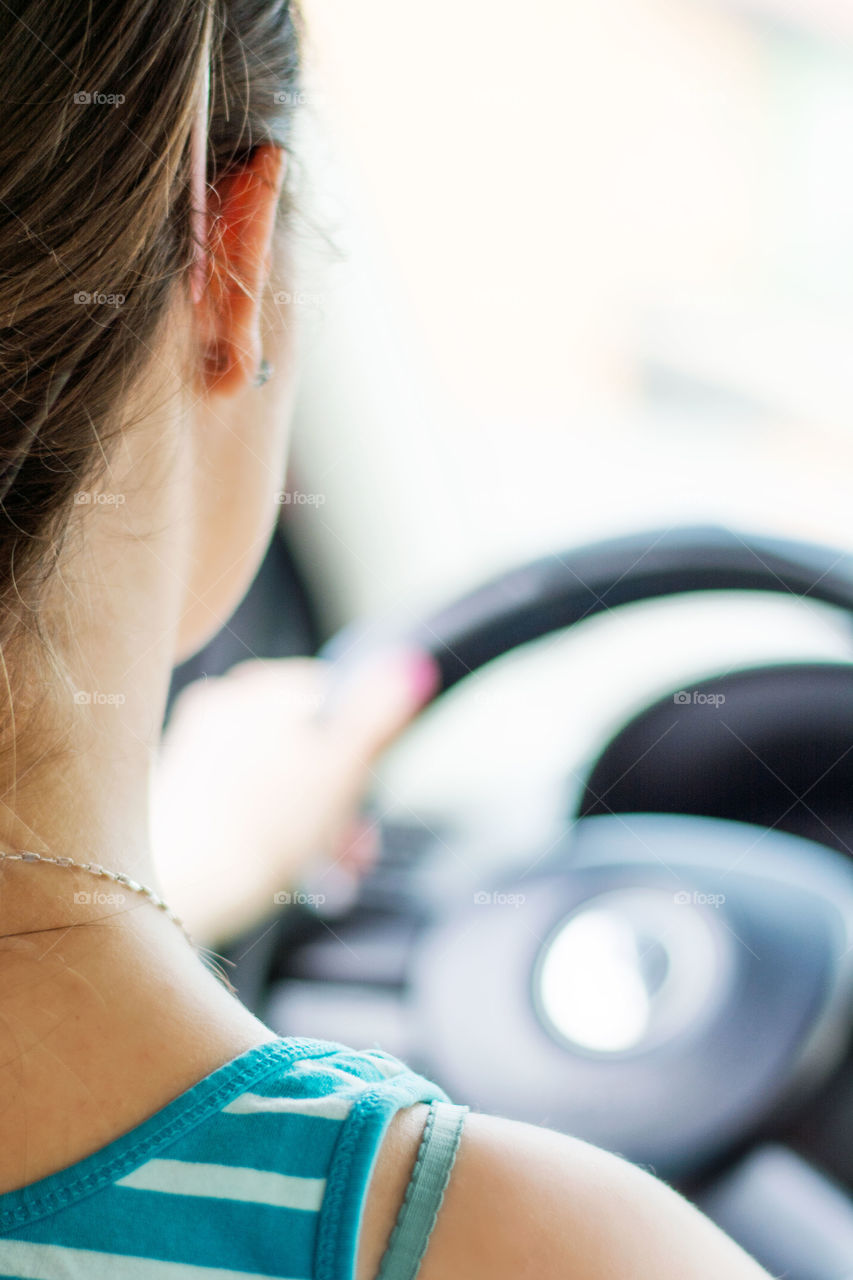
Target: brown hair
[{"x": 99, "y": 103}]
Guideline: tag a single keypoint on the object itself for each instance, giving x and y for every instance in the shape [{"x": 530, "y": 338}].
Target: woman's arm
[
  {"x": 256, "y": 783},
  {"x": 525, "y": 1203}
]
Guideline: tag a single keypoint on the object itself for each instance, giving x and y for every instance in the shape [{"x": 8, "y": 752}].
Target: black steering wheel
[{"x": 674, "y": 980}]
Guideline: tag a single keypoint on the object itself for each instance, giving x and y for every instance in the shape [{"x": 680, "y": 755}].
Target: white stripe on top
[
  {"x": 333, "y": 1107},
  {"x": 59, "y": 1262},
  {"x": 385, "y": 1062},
  {"x": 226, "y": 1182}
]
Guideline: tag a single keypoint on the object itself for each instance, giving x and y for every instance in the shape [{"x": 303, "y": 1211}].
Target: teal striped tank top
[{"x": 260, "y": 1169}]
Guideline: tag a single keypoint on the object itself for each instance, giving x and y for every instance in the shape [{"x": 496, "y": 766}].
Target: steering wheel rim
[{"x": 560, "y": 590}]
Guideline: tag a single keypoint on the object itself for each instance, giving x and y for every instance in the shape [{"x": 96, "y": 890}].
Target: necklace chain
[{"x": 95, "y": 869}]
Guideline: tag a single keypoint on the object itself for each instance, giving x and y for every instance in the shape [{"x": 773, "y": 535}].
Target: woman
[{"x": 151, "y": 1126}]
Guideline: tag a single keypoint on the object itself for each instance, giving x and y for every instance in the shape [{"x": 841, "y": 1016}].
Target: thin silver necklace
[{"x": 95, "y": 869}]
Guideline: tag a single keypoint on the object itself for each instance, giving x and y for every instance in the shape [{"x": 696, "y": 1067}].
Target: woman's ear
[{"x": 241, "y": 213}]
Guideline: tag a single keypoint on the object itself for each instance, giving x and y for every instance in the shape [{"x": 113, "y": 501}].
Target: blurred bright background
[{"x": 593, "y": 272}]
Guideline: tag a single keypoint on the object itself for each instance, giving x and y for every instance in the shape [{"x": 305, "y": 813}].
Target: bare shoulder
[{"x": 528, "y": 1202}]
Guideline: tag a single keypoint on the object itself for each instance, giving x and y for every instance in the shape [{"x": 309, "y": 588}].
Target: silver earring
[{"x": 265, "y": 372}]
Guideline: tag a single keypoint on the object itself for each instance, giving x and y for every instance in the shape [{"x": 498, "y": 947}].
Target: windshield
[{"x": 595, "y": 275}]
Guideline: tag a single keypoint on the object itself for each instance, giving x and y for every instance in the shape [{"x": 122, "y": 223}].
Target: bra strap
[{"x": 425, "y": 1192}]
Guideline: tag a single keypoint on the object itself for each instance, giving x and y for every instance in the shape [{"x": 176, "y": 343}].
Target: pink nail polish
[{"x": 423, "y": 674}]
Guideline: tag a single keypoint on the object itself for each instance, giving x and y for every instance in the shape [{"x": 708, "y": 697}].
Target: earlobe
[{"x": 241, "y": 221}]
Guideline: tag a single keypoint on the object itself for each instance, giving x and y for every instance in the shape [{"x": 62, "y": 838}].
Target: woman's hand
[{"x": 259, "y": 779}]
